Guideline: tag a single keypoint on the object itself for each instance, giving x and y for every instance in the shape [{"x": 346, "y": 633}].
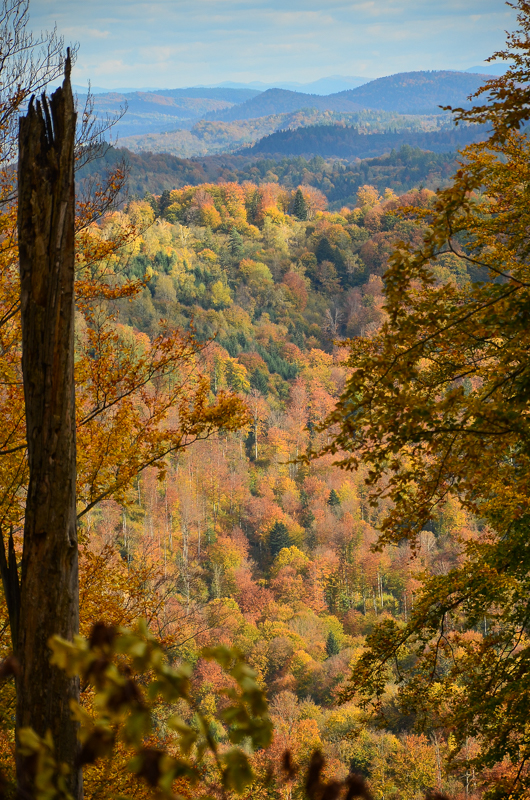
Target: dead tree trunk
[{"x": 49, "y": 588}]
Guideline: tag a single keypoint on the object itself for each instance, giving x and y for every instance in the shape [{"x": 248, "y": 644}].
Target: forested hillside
[
  {"x": 264, "y": 453},
  {"x": 404, "y": 93},
  {"x": 340, "y": 141},
  {"x": 208, "y": 137},
  {"x": 338, "y": 180},
  {"x": 416, "y": 92},
  {"x": 165, "y": 108},
  {"x": 238, "y": 542}
]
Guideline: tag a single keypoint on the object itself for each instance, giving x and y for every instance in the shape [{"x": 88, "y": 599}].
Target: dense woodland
[
  {"x": 401, "y": 170},
  {"x": 237, "y": 542},
  {"x": 301, "y": 459},
  {"x": 348, "y": 142},
  {"x": 208, "y": 137}
]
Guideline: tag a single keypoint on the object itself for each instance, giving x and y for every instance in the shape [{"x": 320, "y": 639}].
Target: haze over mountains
[
  {"x": 329, "y": 85},
  {"x": 166, "y": 110}
]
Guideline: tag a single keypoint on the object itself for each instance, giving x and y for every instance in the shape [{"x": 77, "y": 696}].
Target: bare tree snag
[{"x": 49, "y": 588}]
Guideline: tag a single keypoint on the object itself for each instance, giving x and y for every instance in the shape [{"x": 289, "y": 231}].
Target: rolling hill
[
  {"x": 208, "y": 137},
  {"x": 167, "y": 108},
  {"x": 283, "y": 101},
  {"x": 340, "y": 141},
  {"x": 404, "y": 93},
  {"x": 416, "y": 92}
]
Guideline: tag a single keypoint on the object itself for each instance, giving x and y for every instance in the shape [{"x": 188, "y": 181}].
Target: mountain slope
[
  {"x": 283, "y": 101},
  {"x": 405, "y": 93},
  {"x": 416, "y": 92},
  {"x": 155, "y": 111},
  {"x": 340, "y": 141},
  {"x": 208, "y": 137}
]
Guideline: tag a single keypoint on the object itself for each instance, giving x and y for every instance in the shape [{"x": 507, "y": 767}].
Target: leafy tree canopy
[{"x": 437, "y": 407}]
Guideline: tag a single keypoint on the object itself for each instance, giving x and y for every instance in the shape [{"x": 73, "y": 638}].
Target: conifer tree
[
  {"x": 332, "y": 645},
  {"x": 259, "y": 381},
  {"x": 333, "y": 499},
  {"x": 278, "y": 538},
  {"x": 236, "y": 245},
  {"x": 300, "y": 205}
]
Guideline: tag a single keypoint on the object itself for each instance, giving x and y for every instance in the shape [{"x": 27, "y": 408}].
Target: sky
[{"x": 177, "y": 43}]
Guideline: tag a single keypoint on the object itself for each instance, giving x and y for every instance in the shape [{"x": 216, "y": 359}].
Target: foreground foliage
[{"x": 129, "y": 678}]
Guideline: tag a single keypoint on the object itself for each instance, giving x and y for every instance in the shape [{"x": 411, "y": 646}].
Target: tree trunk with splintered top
[{"x": 49, "y": 593}]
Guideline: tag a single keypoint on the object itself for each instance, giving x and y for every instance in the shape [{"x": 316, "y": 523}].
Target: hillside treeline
[
  {"x": 341, "y": 141},
  {"x": 338, "y": 180}
]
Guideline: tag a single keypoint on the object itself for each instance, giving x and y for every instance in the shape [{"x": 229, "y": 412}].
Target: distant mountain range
[
  {"x": 491, "y": 69},
  {"x": 405, "y": 93},
  {"x": 330, "y": 85},
  {"x": 171, "y": 110},
  {"x": 168, "y": 108}
]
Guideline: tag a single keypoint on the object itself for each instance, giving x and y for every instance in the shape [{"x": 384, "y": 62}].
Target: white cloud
[{"x": 182, "y": 42}]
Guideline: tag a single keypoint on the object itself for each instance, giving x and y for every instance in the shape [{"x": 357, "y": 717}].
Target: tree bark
[{"x": 49, "y": 586}]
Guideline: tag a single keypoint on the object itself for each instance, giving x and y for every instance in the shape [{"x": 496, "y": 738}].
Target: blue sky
[{"x": 170, "y": 43}]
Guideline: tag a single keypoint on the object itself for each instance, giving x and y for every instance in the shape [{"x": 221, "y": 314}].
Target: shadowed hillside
[
  {"x": 346, "y": 142},
  {"x": 282, "y": 101}
]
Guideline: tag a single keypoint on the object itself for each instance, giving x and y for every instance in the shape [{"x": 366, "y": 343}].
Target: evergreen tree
[
  {"x": 164, "y": 202},
  {"x": 332, "y": 645},
  {"x": 300, "y": 205},
  {"x": 325, "y": 251},
  {"x": 259, "y": 381},
  {"x": 236, "y": 245},
  {"x": 333, "y": 499},
  {"x": 278, "y": 538}
]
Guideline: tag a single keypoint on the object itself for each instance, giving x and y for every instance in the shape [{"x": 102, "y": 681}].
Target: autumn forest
[{"x": 264, "y": 465}]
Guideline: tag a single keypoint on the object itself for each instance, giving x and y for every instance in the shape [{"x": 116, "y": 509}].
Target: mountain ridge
[
  {"x": 405, "y": 92},
  {"x": 166, "y": 110},
  {"x": 340, "y": 141}
]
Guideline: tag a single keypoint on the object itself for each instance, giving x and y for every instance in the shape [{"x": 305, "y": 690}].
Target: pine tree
[
  {"x": 236, "y": 245},
  {"x": 333, "y": 499},
  {"x": 332, "y": 645},
  {"x": 278, "y": 538},
  {"x": 325, "y": 251},
  {"x": 300, "y": 205},
  {"x": 164, "y": 202},
  {"x": 259, "y": 381}
]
